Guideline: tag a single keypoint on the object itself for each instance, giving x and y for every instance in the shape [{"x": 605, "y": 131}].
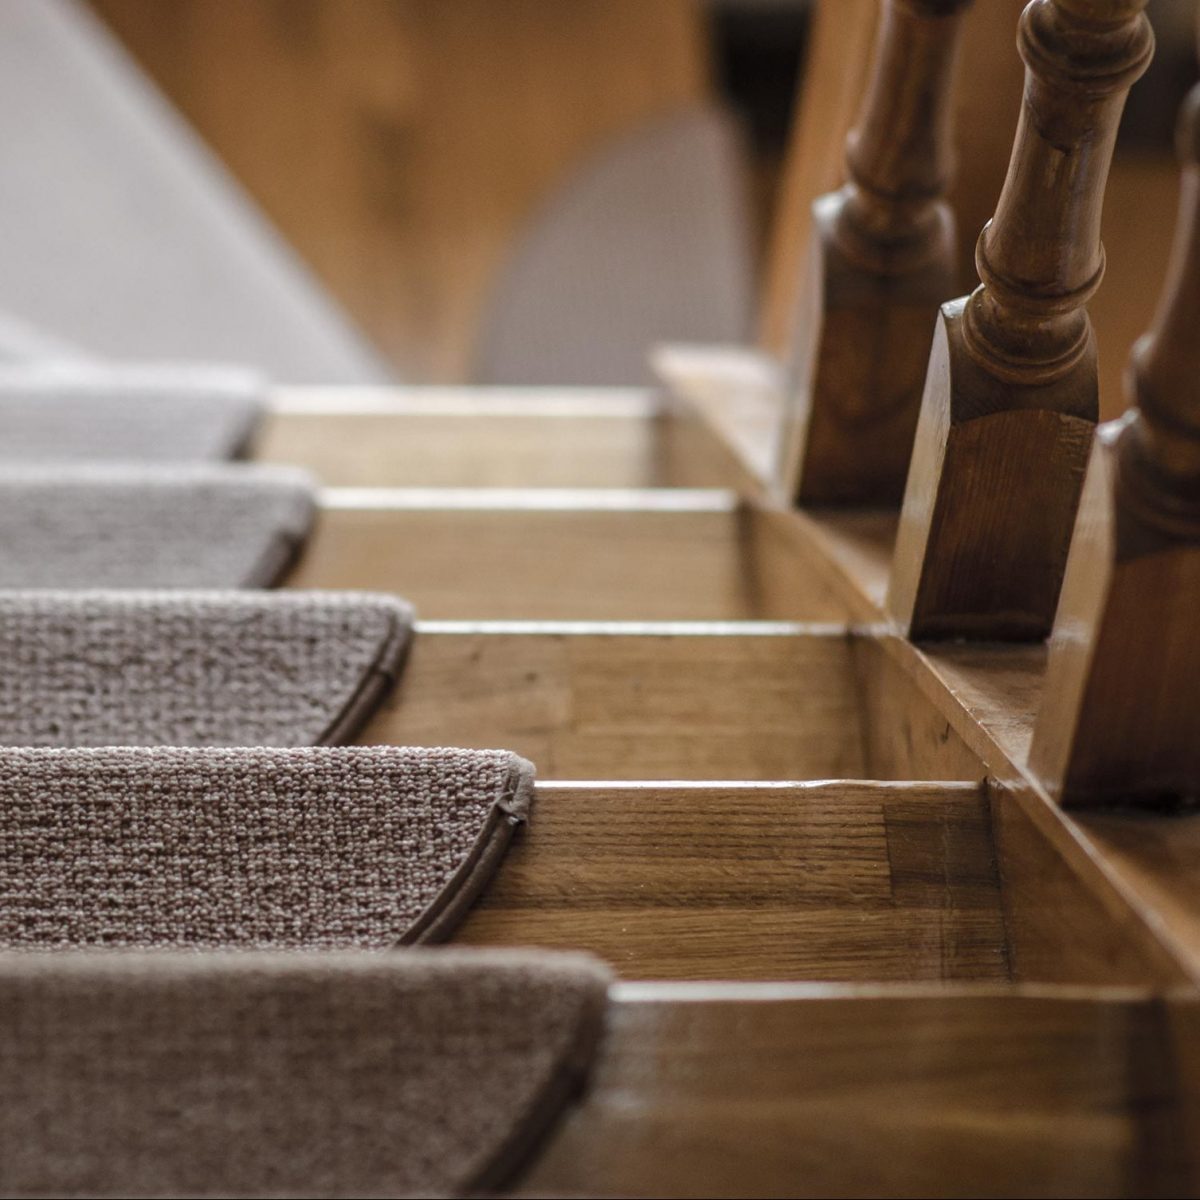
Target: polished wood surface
[
  {"x": 1011, "y": 395},
  {"x": 826, "y": 881},
  {"x": 883, "y": 260},
  {"x": 1075, "y": 912},
  {"x": 636, "y": 702},
  {"x": 494, "y": 437},
  {"x": 671, "y": 555},
  {"x": 825, "y": 1091},
  {"x": 905, "y": 735},
  {"x": 762, "y": 885},
  {"x": 1118, "y": 718},
  {"x": 734, "y": 698}
]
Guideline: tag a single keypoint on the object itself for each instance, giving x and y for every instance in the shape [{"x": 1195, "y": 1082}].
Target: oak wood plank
[
  {"x": 494, "y": 437},
  {"x": 634, "y": 702},
  {"x": 825, "y": 881},
  {"x": 1075, "y": 912},
  {"x": 543, "y": 555},
  {"x": 544, "y": 562},
  {"x": 850, "y": 1092},
  {"x": 905, "y": 736}
]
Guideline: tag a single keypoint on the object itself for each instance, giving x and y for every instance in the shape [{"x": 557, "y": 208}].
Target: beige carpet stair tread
[
  {"x": 425, "y": 1073},
  {"x": 93, "y": 526},
  {"x": 363, "y": 848},
  {"x": 97, "y": 412},
  {"x": 86, "y": 668}
]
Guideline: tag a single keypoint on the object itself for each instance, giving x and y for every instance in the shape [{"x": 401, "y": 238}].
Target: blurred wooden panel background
[{"x": 399, "y": 144}]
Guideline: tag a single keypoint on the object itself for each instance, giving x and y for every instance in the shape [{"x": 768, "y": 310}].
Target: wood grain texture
[
  {"x": 1011, "y": 393},
  {"x": 738, "y": 392},
  {"x": 633, "y": 702},
  {"x": 904, "y": 735},
  {"x": 830, "y": 881},
  {"x": 882, "y": 261},
  {"x": 858, "y": 544},
  {"x": 1159, "y": 858},
  {"x": 1119, "y": 720},
  {"x": 545, "y": 562},
  {"x": 1074, "y": 913},
  {"x": 491, "y": 437},
  {"x": 844, "y": 1093}
]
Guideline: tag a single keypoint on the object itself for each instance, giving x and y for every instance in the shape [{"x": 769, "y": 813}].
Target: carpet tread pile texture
[
  {"x": 344, "y": 1074},
  {"x": 200, "y": 903},
  {"x": 119, "y": 526},
  {"x": 240, "y": 668},
  {"x": 133, "y": 413},
  {"x": 317, "y": 849}
]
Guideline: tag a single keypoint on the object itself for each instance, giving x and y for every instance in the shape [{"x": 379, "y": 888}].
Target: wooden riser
[
  {"x": 745, "y": 1090},
  {"x": 573, "y": 555},
  {"x": 689, "y": 701},
  {"x": 828, "y": 881},
  {"x": 634, "y": 702},
  {"x": 493, "y": 437}
]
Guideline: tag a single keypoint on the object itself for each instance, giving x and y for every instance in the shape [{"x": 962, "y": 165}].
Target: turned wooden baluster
[
  {"x": 1010, "y": 400},
  {"x": 882, "y": 261},
  {"x": 1121, "y": 713}
]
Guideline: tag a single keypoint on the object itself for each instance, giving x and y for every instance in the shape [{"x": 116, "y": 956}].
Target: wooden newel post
[
  {"x": 1010, "y": 399},
  {"x": 1121, "y": 714},
  {"x": 882, "y": 262}
]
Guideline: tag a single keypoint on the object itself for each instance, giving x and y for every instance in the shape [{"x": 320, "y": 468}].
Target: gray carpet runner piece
[
  {"x": 111, "y": 526},
  {"x": 298, "y": 668},
  {"x": 362, "y": 847},
  {"x": 432, "y": 1072},
  {"x": 132, "y": 413}
]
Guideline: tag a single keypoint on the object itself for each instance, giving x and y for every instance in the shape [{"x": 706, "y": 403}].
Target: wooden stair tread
[
  {"x": 825, "y": 881},
  {"x": 988, "y": 696},
  {"x": 792, "y": 1090},
  {"x": 650, "y": 739}
]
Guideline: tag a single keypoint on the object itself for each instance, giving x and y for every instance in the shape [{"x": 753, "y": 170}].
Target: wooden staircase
[{"x": 881, "y": 922}]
